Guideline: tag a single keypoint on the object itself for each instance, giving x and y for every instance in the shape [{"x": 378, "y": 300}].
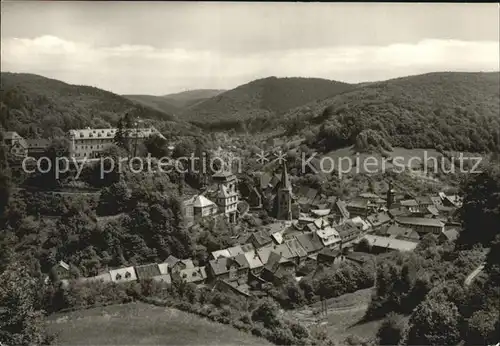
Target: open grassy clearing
[{"x": 143, "y": 324}]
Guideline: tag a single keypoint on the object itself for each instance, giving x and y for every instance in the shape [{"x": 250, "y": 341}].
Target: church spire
[{"x": 285, "y": 181}]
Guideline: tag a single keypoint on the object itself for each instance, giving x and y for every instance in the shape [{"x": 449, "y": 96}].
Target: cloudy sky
[{"x": 158, "y": 48}]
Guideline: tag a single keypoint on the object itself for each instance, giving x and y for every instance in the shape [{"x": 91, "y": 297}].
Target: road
[{"x": 473, "y": 275}]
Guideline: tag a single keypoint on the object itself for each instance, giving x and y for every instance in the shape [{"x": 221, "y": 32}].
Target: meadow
[{"x": 142, "y": 324}]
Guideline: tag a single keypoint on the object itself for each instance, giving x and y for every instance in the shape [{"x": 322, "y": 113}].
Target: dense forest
[
  {"x": 449, "y": 110},
  {"x": 260, "y": 100},
  {"x": 35, "y": 106}
]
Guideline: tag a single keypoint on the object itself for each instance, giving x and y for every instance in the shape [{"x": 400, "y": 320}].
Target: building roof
[
  {"x": 123, "y": 274},
  {"x": 261, "y": 238},
  {"x": 110, "y": 133},
  {"x": 224, "y": 174},
  {"x": 369, "y": 195},
  {"x": 253, "y": 260},
  {"x": 433, "y": 210},
  {"x": 221, "y": 253},
  {"x": 342, "y": 208},
  {"x": 247, "y": 247},
  {"x": 295, "y": 248},
  {"x": 347, "y": 230},
  {"x": 277, "y": 237},
  {"x": 327, "y": 252},
  {"x": 419, "y": 221},
  {"x": 378, "y": 219},
  {"x": 193, "y": 274},
  {"x": 424, "y": 200},
  {"x": 235, "y": 250},
  {"x": 37, "y": 143},
  {"x": 436, "y": 200},
  {"x": 187, "y": 262},
  {"x": 390, "y": 243},
  {"x": 309, "y": 242},
  {"x": 241, "y": 260},
  {"x": 163, "y": 268},
  {"x": 409, "y": 203},
  {"x": 397, "y": 231},
  {"x": 361, "y": 223},
  {"x": 171, "y": 261},
  {"x": 147, "y": 271},
  {"x": 221, "y": 265},
  {"x": 451, "y": 234},
  {"x": 399, "y": 211},
  {"x": 328, "y": 236},
  {"x": 105, "y": 277},
  {"x": 358, "y": 203},
  {"x": 64, "y": 265},
  {"x": 201, "y": 202},
  {"x": 11, "y": 135},
  {"x": 166, "y": 278},
  {"x": 321, "y": 212}
]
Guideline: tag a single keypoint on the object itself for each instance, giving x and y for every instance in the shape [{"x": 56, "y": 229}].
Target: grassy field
[
  {"x": 143, "y": 324},
  {"x": 344, "y": 316}
]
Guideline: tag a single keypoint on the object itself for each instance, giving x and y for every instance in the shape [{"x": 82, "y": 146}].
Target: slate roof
[
  {"x": 390, "y": 243},
  {"x": 253, "y": 260},
  {"x": 194, "y": 275},
  {"x": 379, "y": 219},
  {"x": 342, "y": 208},
  {"x": 296, "y": 248},
  {"x": 147, "y": 271},
  {"x": 235, "y": 250},
  {"x": 396, "y": 231},
  {"x": 309, "y": 242},
  {"x": 163, "y": 267},
  {"x": 451, "y": 234},
  {"x": 201, "y": 202},
  {"x": 221, "y": 253},
  {"x": 123, "y": 274},
  {"x": 261, "y": 238},
  {"x": 171, "y": 261},
  {"x": 166, "y": 278},
  {"x": 420, "y": 221}
]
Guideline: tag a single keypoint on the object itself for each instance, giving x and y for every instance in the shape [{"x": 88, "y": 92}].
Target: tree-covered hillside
[
  {"x": 34, "y": 106},
  {"x": 456, "y": 111},
  {"x": 262, "y": 98}
]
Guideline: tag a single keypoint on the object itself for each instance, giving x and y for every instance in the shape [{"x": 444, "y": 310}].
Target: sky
[{"x": 159, "y": 48}]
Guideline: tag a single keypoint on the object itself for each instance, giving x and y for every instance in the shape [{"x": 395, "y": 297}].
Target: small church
[{"x": 283, "y": 200}]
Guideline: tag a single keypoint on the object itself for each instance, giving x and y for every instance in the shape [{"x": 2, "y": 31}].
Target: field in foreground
[
  {"x": 143, "y": 324},
  {"x": 344, "y": 317}
]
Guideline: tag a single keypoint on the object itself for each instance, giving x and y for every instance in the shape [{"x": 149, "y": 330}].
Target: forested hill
[
  {"x": 457, "y": 111},
  {"x": 262, "y": 98},
  {"x": 188, "y": 98},
  {"x": 31, "y": 103}
]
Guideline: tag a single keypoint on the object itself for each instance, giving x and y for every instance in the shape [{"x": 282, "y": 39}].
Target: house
[
  {"x": 329, "y": 256},
  {"x": 277, "y": 267},
  {"x": 449, "y": 235},
  {"x": 361, "y": 223},
  {"x": 348, "y": 233},
  {"x": 62, "y": 270},
  {"x": 104, "y": 277},
  {"x": 221, "y": 253},
  {"x": 422, "y": 225},
  {"x": 358, "y": 207},
  {"x": 120, "y": 275},
  {"x": 147, "y": 271},
  {"x": 384, "y": 244},
  {"x": 203, "y": 207},
  {"x": 359, "y": 257},
  {"x": 196, "y": 275},
  {"x": 254, "y": 262},
  {"x": 340, "y": 212},
  {"x": 15, "y": 144},
  {"x": 310, "y": 242},
  {"x": 297, "y": 251},
  {"x": 260, "y": 238},
  {"x": 37, "y": 147},
  {"x": 411, "y": 204},
  {"x": 241, "y": 289},
  {"x": 90, "y": 143},
  {"x": 403, "y": 233},
  {"x": 175, "y": 265},
  {"x": 399, "y": 211},
  {"x": 229, "y": 268},
  {"x": 379, "y": 219},
  {"x": 329, "y": 237}
]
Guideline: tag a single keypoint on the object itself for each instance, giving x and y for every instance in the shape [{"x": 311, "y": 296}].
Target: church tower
[
  {"x": 284, "y": 197},
  {"x": 227, "y": 196}
]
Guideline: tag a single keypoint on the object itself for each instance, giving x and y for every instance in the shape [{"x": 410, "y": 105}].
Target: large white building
[{"x": 89, "y": 143}]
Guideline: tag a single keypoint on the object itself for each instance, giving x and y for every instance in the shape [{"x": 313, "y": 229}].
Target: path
[{"x": 473, "y": 274}]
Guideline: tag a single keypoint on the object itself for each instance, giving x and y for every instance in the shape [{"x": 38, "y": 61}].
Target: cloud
[{"x": 152, "y": 70}]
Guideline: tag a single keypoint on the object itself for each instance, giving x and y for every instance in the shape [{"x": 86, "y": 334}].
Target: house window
[
  {"x": 118, "y": 277},
  {"x": 127, "y": 275}
]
